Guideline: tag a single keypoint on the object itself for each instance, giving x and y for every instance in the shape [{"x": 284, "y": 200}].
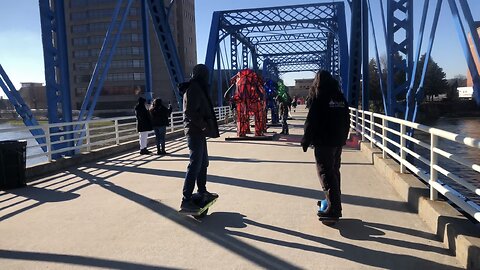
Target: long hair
[
  {"x": 157, "y": 103},
  {"x": 323, "y": 84}
]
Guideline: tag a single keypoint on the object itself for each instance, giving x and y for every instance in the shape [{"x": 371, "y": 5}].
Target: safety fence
[
  {"x": 435, "y": 156},
  {"x": 74, "y": 138}
]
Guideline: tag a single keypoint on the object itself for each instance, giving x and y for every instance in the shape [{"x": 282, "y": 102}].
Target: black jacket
[
  {"x": 159, "y": 115},
  {"x": 328, "y": 121},
  {"x": 198, "y": 110},
  {"x": 143, "y": 118}
]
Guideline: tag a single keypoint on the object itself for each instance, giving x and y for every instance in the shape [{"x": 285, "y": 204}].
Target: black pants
[
  {"x": 197, "y": 168},
  {"x": 328, "y": 161}
]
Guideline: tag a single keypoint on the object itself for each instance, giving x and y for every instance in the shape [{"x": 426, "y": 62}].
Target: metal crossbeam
[
  {"x": 21, "y": 107},
  {"x": 292, "y": 47},
  {"x": 315, "y": 36}
]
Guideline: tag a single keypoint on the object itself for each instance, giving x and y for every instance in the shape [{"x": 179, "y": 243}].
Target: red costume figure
[{"x": 249, "y": 98}]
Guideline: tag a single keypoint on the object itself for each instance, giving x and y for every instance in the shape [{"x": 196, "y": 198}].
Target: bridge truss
[{"x": 280, "y": 40}]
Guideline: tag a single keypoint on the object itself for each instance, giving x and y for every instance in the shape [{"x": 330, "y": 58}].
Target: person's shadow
[{"x": 222, "y": 223}]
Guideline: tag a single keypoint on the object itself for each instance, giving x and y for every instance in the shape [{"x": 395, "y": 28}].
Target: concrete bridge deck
[{"x": 121, "y": 213}]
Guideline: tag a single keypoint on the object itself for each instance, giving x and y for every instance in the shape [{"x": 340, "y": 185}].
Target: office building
[
  {"x": 301, "y": 88},
  {"x": 87, "y": 22}
]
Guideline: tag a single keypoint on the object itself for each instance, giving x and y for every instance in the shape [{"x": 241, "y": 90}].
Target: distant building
[
  {"x": 34, "y": 95},
  {"x": 465, "y": 92},
  {"x": 87, "y": 22},
  {"x": 469, "y": 76},
  {"x": 301, "y": 88}
]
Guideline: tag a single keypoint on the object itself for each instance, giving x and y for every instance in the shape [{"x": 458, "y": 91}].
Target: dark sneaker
[
  {"x": 189, "y": 206},
  {"x": 208, "y": 197},
  {"x": 144, "y": 151},
  {"x": 329, "y": 215},
  {"x": 165, "y": 152}
]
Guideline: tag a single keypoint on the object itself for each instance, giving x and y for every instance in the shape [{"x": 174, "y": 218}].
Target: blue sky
[{"x": 22, "y": 57}]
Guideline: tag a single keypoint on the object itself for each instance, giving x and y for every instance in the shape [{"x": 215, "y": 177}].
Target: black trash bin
[{"x": 12, "y": 164}]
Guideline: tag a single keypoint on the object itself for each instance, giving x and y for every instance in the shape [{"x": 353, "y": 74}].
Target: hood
[{"x": 200, "y": 73}]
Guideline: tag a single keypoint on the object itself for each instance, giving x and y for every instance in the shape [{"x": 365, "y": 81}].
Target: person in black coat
[
  {"x": 159, "y": 118},
  {"x": 143, "y": 124},
  {"x": 326, "y": 128},
  {"x": 200, "y": 122}
]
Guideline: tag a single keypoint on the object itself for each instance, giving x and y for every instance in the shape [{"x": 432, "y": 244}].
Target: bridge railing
[
  {"x": 431, "y": 154},
  {"x": 98, "y": 133}
]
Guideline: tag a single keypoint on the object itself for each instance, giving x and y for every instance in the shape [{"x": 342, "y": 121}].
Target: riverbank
[{"x": 432, "y": 111}]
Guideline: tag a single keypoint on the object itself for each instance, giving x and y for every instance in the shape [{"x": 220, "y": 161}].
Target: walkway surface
[{"x": 121, "y": 213}]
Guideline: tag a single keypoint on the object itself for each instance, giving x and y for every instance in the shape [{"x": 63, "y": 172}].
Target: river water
[
  {"x": 469, "y": 127},
  {"x": 4, "y": 136}
]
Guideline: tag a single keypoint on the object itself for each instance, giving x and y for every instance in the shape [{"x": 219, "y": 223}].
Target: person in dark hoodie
[
  {"x": 326, "y": 128},
  {"x": 200, "y": 122},
  {"x": 159, "y": 118},
  {"x": 143, "y": 124}
]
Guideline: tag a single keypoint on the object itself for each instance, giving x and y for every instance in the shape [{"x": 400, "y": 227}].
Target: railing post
[
  {"x": 372, "y": 130},
  {"x": 171, "y": 122},
  {"x": 87, "y": 133},
  {"x": 433, "y": 162},
  {"x": 363, "y": 125},
  {"x": 49, "y": 144},
  {"x": 117, "y": 134},
  {"x": 403, "y": 154},
  {"x": 356, "y": 118},
  {"x": 384, "y": 135}
]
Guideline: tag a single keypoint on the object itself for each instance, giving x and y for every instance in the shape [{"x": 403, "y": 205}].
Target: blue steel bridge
[{"x": 274, "y": 41}]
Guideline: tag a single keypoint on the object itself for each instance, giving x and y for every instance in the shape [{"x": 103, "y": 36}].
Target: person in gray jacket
[{"x": 200, "y": 122}]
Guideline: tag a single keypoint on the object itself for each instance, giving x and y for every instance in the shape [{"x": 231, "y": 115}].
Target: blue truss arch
[{"x": 282, "y": 39}]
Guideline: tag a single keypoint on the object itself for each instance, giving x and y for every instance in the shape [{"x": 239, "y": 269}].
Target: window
[
  {"x": 81, "y": 53},
  {"x": 80, "y": 41},
  {"x": 82, "y": 66},
  {"x": 82, "y": 78}
]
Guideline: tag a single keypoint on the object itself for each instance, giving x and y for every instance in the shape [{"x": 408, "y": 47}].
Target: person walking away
[
  {"x": 294, "y": 103},
  {"x": 159, "y": 118},
  {"x": 284, "y": 112},
  {"x": 200, "y": 122},
  {"x": 326, "y": 128},
  {"x": 143, "y": 124}
]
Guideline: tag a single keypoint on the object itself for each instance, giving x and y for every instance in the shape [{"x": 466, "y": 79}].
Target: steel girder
[
  {"x": 295, "y": 32},
  {"x": 167, "y": 44},
  {"x": 399, "y": 53},
  {"x": 355, "y": 64},
  {"x": 21, "y": 107},
  {"x": 57, "y": 83},
  {"x": 270, "y": 70}
]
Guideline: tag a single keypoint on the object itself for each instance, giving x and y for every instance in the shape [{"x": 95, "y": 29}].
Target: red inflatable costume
[{"x": 249, "y": 98}]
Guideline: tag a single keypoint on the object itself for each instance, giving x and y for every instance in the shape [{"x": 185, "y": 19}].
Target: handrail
[
  {"x": 98, "y": 133},
  {"x": 392, "y": 136}
]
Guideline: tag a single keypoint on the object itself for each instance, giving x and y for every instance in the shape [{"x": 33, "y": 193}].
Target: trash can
[{"x": 12, "y": 164}]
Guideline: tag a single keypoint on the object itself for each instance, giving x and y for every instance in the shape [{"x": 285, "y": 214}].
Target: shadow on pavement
[
  {"x": 75, "y": 260},
  {"x": 224, "y": 223}
]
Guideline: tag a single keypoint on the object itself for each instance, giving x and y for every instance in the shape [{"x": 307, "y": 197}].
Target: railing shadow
[{"x": 76, "y": 260}]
